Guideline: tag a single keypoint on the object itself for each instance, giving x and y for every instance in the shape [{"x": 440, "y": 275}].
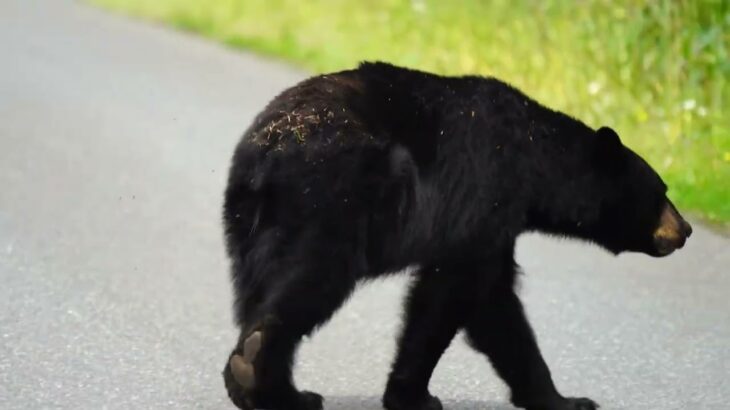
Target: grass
[{"x": 656, "y": 71}]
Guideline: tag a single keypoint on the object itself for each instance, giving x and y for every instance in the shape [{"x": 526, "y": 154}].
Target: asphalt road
[{"x": 115, "y": 137}]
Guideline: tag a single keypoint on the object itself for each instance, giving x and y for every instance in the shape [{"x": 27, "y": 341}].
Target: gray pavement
[{"x": 115, "y": 137}]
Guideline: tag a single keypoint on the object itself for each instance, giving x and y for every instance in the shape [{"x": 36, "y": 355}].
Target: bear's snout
[{"x": 672, "y": 232}]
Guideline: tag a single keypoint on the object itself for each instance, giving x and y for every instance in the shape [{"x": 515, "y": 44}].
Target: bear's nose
[{"x": 687, "y": 229}]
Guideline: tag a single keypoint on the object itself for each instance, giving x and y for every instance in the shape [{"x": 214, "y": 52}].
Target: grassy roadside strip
[{"x": 656, "y": 71}]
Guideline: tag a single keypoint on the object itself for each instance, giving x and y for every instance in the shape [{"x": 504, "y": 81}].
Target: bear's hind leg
[
  {"x": 434, "y": 311},
  {"x": 499, "y": 328},
  {"x": 258, "y": 373},
  {"x": 296, "y": 294}
]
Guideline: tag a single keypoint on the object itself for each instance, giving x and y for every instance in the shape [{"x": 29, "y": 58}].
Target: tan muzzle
[{"x": 672, "y": 232}]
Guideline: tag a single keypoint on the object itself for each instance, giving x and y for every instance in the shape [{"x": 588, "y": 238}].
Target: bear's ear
[
  {"x": 608, "y": 149},
  {"x": 607, "y": 138}
]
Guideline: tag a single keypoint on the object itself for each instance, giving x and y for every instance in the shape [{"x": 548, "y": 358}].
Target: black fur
[{"x": 356, "y": 174}]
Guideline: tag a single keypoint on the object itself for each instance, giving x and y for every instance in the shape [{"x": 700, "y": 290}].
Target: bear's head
[{"x": 635, "y": 214}]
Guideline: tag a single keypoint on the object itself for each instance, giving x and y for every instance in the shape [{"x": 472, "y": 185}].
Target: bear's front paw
[
  {"x": 394, "y": 402},
  {"x": 568, "y": 403},
  {"x": 310, "y": 401},
  {"x": 580, "y": 403}
]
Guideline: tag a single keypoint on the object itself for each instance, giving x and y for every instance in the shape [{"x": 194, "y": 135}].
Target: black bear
[{"x": 368, "y": 171}]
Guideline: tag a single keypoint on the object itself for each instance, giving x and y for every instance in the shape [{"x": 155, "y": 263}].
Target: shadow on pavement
[{"x": 373, "y": 403}]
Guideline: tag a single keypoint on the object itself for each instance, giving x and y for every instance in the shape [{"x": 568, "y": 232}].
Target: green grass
[{"x": 656, "y": 71}]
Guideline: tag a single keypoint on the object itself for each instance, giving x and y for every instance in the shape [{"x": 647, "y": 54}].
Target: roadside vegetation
[{"x": 656, "y": 71}]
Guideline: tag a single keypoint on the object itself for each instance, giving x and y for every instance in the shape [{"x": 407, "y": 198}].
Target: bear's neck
[{"x": 564, "y": 194}]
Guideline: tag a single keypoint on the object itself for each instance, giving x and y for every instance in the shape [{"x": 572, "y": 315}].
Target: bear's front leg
[
  {"x": 434, "y": 311},
  {"x": 499, "y": 328}
]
